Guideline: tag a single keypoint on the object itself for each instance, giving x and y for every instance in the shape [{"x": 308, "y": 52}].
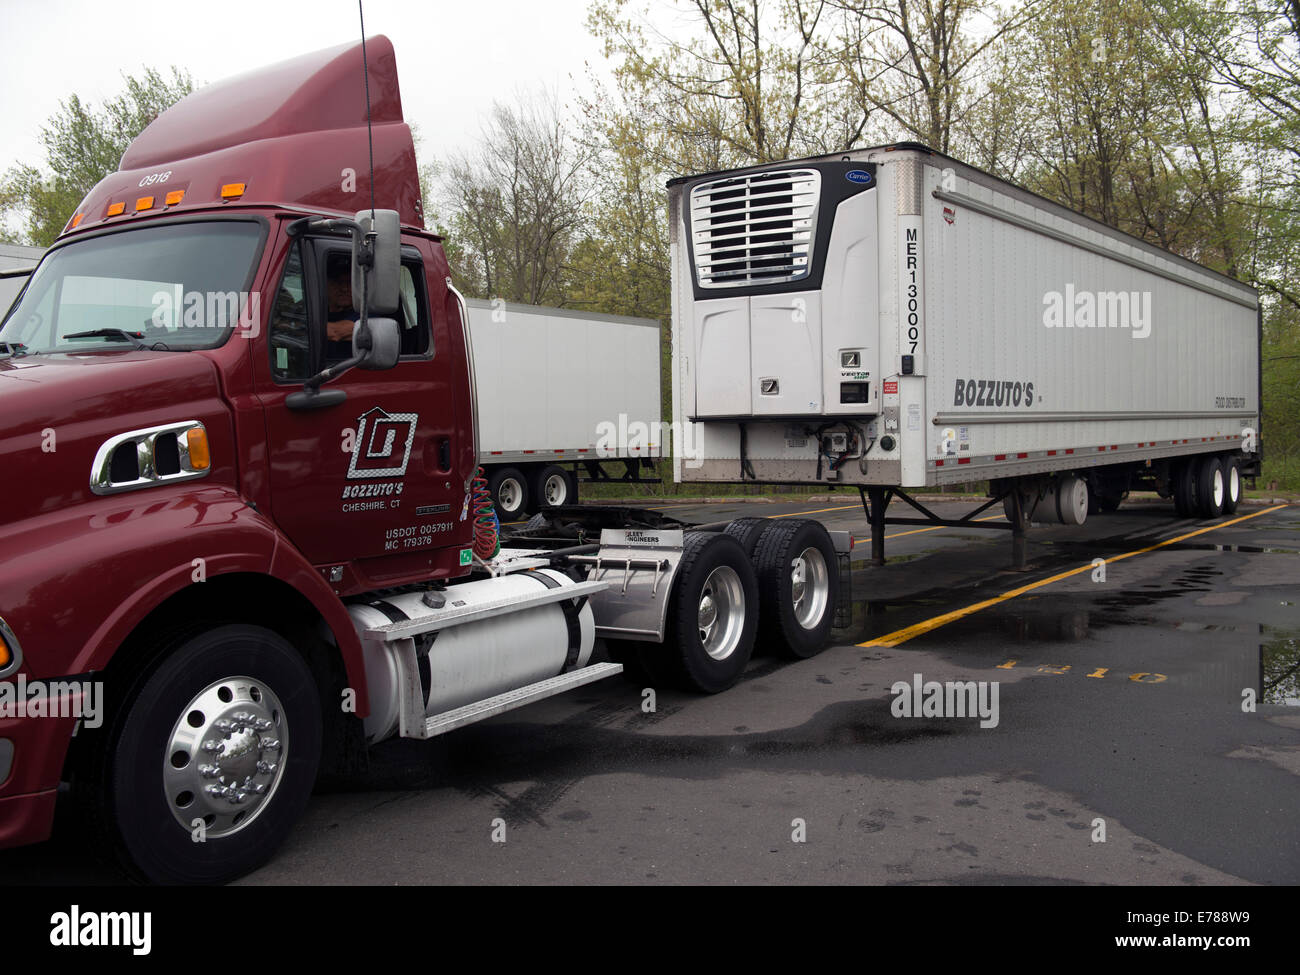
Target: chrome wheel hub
[
  {"x": 225, "y": 756},
  {"x": 721, "y": 612},
  {"x": 809, "y": 587}
]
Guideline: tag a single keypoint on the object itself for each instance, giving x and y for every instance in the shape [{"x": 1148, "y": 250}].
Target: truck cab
[{"x": 244, "y": 533}]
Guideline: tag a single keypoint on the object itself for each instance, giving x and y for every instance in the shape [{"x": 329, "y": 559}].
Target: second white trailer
[{"x": 560, "y": 394}]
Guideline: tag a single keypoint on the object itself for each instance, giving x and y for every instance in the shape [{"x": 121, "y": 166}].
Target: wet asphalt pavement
[{"x": 1123, "y": 708}]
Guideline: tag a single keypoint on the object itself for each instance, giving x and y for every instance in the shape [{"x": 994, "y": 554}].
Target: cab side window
[
  {"x": 290, "y": 332},
  {"x": 312, "y": 319},
  {"x": 412, "y": 310}
]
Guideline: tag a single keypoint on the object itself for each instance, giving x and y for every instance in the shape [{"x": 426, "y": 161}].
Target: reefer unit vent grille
[{"x": 754, "y": 229}]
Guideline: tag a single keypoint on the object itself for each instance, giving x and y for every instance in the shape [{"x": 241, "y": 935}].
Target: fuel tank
[{"x": 472, "y": 661}]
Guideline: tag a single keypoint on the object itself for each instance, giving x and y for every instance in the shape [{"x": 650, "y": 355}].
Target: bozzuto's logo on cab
[
  {"x": 383, "y": 447},
  {"x": 382, "y": 450}
]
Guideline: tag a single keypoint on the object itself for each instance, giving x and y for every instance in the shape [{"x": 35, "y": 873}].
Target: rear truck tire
[
  {"x": 712, "y": 616},
  {"x": 746, "y": 531},
  {"x": 224, "y": 729},
  {"x": 509, "y": 490},
  {"x": 1184, "y": 488},
  {"x": 1210, "y": 490},
  {"x": 1110, "y": 502},
  {"x": 553, "y": 486},
  {"x": 798, "y": 577},
  {"x": 1231, "y": 485}
]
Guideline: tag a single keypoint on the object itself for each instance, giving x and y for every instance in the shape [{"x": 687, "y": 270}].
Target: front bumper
[{"x": 38, "y": 747}]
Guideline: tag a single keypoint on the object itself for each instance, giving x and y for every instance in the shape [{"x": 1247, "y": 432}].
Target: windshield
[{"x": 166, "y": 287}]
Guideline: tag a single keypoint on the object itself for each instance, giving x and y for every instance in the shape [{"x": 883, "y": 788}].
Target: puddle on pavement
[{"x": 1279, "y": 665}]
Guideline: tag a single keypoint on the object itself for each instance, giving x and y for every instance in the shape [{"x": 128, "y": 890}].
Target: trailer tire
[
  {"x": 712, "y": 616},
  {"x": 509, "y": 490},
  {"x": 798, "y": 577},
  {"x": 1210, "y": 491},
  {"x": 746, "y": 531},
  {"x": 1231, "y": 485},
  {"x": 236, "y": 683},
  {"x": 553, "y": 486},
  {"x": 1184, "y": 488}
]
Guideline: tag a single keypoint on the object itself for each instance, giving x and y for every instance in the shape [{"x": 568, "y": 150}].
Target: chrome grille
[{"x": 754, "y": 229}]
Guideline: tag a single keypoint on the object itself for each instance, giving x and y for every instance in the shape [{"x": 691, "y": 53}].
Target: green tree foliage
[{"x": 83, "y": 144}]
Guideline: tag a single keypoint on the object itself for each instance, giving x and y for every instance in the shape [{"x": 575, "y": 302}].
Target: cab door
[{"x": 366, "y": 483}]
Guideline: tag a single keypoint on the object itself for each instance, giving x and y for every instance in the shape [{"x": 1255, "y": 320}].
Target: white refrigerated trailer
[
  {"x": 892, "y": 319},
  {"x": 561, "y": 394}
]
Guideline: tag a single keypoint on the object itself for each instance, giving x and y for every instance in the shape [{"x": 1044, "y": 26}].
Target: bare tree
[{"x": 515, "y": 203}]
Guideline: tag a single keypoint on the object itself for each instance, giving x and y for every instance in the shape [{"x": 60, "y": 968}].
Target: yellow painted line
[
  {"x": 917, "y": 531},
  {"x": 815, "y": 511},
  {"x": 917, "y": 629}
]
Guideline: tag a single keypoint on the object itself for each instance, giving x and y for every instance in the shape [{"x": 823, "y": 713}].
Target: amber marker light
[
  {"x": 197, "y": 442},
  {"x": 232, "y": 191}
]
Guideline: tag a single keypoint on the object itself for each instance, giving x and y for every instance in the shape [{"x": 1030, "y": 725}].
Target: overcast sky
[{"x": 453, "y": 59}]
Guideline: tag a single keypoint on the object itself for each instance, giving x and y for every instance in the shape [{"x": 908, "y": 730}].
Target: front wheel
[{"x": 212, "y": 760}]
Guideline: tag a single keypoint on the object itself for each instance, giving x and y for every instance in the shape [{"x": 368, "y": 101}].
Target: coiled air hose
[{"x": 487, "y": 527}]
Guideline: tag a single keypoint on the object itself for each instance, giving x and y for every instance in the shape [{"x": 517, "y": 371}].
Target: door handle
[{"x": 444, "y": 454}]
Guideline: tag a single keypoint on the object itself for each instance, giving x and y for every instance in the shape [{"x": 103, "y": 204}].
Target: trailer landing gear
[{"x": 875, "y": 501}]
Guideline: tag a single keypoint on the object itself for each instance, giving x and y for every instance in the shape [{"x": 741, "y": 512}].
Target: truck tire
[
  {"x": 1210, "y": 491},
  {"x": 224, "y": 730},
  {"x": 1184, "y": 488},
  {"x": 746, "y": 531},
  {"x": 798, "y": 577},
  {"x": 1231, "y": 485},
  {"x": 509, "y": 490},
  {"x": 712, "y": 616},
  {"x": 553, "y": 486}
]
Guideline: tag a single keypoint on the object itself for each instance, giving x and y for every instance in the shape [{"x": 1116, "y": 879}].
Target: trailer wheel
[
  {"x": 712, "y": 616},
  {"x": 1184, "y": 488},
  {"x": 212, "y": 759},
  {"x": 509, "y": 490},
  {"x": 1231, "y": 485},
  {"x": 798, "y": 577},
  {"x": 553, "y": 486},
  {"x": 1210, "y": 491},
  {"x": 746, "y": 531}
]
